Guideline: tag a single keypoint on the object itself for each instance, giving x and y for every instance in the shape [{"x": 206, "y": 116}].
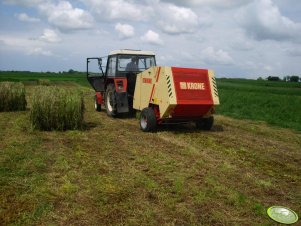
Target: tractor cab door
[{"x": 95, "y": 74}]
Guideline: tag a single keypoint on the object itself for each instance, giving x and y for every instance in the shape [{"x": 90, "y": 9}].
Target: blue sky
[{"x": 235, "y": 38}]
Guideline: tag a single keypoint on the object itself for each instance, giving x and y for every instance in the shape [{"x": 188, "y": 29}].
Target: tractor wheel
[
  {"x": 205, "y": 123},
  {"x": 96, "y": 105},
  {"x": 148, "y": 121},
  {"x": 110, "y": 101}
]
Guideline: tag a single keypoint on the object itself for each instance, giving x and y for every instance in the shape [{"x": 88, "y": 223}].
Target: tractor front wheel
[
  {"x": 110, "y": 101},
  {"x": 148, "y": 121},
  {"x": 205, "y": 123}
]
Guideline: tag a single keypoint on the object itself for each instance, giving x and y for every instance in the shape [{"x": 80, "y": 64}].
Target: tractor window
[
  {"x": 135, "y": 62},
  {"x": 145, "y": 63},
  {"x": 112, "y": 67},
  {"x": 123, "y": 61}
]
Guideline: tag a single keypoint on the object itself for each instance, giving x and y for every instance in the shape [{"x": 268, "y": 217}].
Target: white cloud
[
  {"x": 210, "y": 3},
  {"x": 174, "y": 19},
  {"x": 16, "y": 41},
  {"x": 50, "y": 36},
  {"x": 39, "y": 52},
  {"x": 117, "y": 9},
  {"x": 65, "y": 17},
  {"x": 25, "y": 18},
  {"x": 152, "y": 38},
  {"x": 214, "y": 56},
  {"x": 263, "y": 20},
  {"x": 268, "y": 68},
  {"x": 125, "y": 30}
]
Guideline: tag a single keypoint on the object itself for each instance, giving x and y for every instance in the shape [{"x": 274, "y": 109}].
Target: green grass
[
  {"x": 12, "y": 96},
  {"x": 111, "y": 173},
  {"x": 20, "y": 76},
  {"x": 277, "y": 103},
  {"x": 55, "y": 108}
]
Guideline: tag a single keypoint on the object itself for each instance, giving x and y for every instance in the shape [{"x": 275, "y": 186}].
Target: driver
[{"x": 132, "y": 66}]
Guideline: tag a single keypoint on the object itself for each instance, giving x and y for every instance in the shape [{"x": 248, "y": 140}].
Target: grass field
[
  {"x": 110, "y": 173},
  {"x": 277, "y": 103},
  {"x": 36, "y": 77}
]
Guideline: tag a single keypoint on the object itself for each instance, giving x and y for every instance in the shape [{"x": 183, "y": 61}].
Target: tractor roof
[{"x": 132, "y": 52}]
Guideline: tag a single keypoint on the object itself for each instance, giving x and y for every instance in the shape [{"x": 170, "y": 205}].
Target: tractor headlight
[{"x": 120, "y": 85}]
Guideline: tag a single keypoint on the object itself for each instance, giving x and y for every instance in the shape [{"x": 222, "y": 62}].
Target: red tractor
[{"x": 116, "y": 85}]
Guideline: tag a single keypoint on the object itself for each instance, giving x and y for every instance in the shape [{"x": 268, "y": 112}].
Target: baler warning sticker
[
  {"x": 147, "y": 80},
  {"x": 192, "y": 85}
]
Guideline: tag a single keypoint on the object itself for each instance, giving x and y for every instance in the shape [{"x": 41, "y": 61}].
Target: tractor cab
[{"x": 114, "y": 78}]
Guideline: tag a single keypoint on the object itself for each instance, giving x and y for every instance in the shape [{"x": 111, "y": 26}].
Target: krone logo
[{"x": 192, "y": 85}]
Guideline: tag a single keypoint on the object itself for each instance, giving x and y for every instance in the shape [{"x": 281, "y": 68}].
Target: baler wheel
[
  {"x": 205, "y": 123},
  {"x": 96, "y": 105},
  {"x": 110, "y": 101},
  {"x": 148, "y": 121}
]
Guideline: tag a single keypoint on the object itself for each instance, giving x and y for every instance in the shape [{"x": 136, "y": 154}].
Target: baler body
[{"x": 176, "y": 94}]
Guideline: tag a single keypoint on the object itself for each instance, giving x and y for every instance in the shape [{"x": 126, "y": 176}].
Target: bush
[
  {"x": 12, "y": 96},
  {"x": 55, "y": 108}
]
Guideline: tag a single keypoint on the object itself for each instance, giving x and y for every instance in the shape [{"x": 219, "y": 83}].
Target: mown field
[{"x": 110, "y": 173}]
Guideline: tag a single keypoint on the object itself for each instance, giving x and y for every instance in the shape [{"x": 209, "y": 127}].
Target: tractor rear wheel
[
  {"x": 205, "y": 123},
  {"x": 96, "y": 105},
  {"x": 110, "y": 101},
  {"x": 148, "y": 121}
]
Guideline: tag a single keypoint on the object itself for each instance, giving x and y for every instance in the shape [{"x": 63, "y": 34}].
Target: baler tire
[
  {"x": 205, "y": 123},
  {"x": 110, "y": 101},
  {"x": 148, "y": 121},
  {"x": 96, "y": 105}
]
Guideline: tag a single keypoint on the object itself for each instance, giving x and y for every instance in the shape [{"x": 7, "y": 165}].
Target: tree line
[{"x": 288, "y": 78}]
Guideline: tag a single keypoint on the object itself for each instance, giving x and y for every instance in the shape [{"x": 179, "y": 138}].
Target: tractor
[{"x": 132, "y": 83}]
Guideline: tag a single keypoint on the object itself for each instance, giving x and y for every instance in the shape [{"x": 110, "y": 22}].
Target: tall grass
[
  {"x": 44, "y": 82},
  {"x": 55, "y": 108},
  {"x": 12, "y": 96}
]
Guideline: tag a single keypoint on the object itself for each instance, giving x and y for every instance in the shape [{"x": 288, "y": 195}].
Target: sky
[{"x": 235, "y": 38}]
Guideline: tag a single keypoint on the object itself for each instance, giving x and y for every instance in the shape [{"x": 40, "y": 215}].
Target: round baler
[{"x": 175, "y": 95}]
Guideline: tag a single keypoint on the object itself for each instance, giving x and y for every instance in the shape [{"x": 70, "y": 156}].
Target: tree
[
  {"x": 273, "y": 78},
  {"x": 71, "y": 71},
  {"x": 294, "y": 78}
]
